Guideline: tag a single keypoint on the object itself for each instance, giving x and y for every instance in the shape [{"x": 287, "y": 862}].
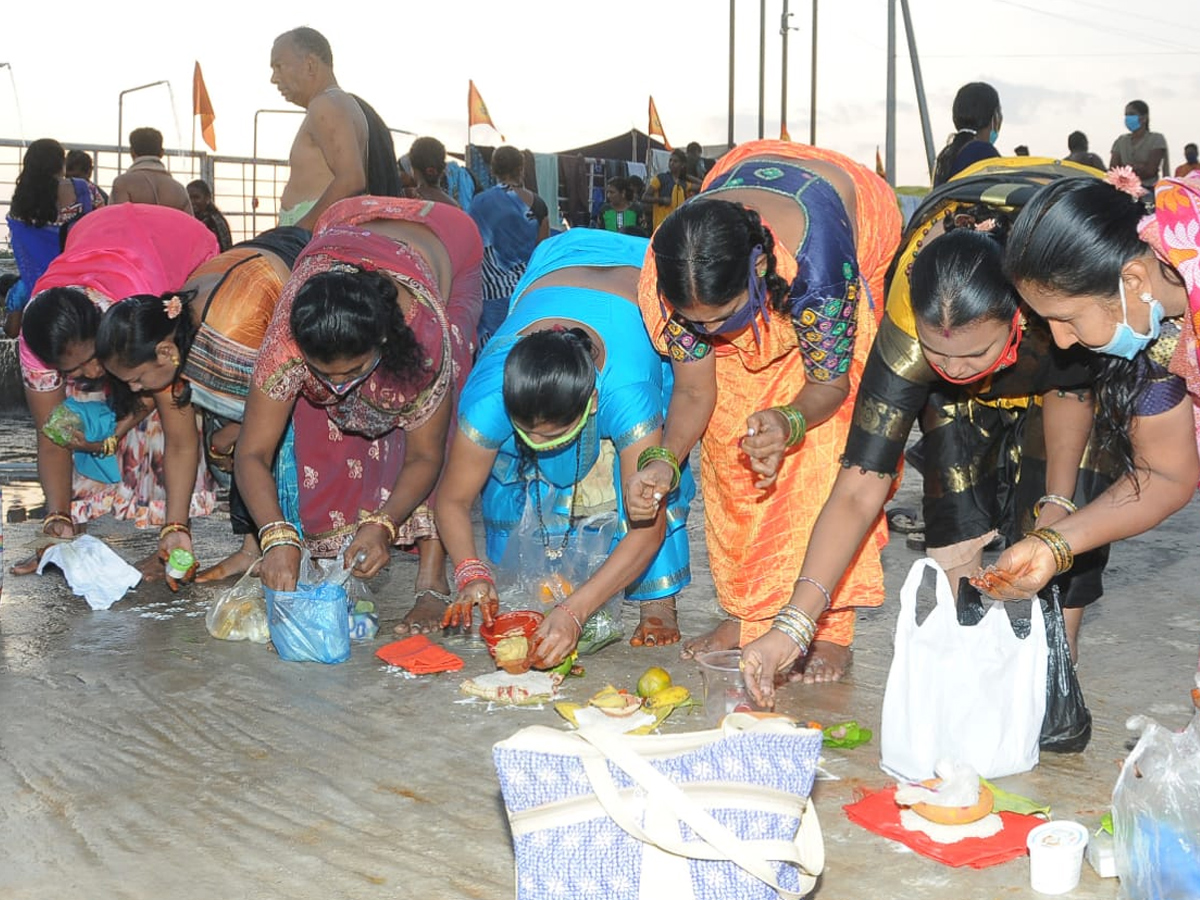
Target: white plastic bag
[
  {"x": 1156, "y": 813},
  {"x": 971, "y": 694}
]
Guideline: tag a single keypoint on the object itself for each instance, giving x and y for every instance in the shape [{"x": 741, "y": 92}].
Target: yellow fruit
[
  {"x": 556, "y": 589},
  {"x": 613, "y": 702},
  {"x": 653, "y": 680},
  {"x": 673, "y": 696},
  {"x": 511, "y": 648}
]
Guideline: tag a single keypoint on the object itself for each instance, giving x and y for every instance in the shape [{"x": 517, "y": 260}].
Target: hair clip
[
  {"x": 173, "y": 307},
  {"x": 1123, "y": 178}
]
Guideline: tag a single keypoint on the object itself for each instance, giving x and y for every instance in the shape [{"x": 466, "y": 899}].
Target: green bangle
[
  {"x": 660, "y": 454},
  {"x": 797, "y": 425}
]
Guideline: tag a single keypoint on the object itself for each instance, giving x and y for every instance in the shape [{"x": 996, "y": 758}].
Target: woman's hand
[
  {"x": 221, "y": 446},
  {"x": 555, "y": 637},
  {"x": 459, "y": 612},
  {"x": 1021, "y": 571},
  {"x": 75, "y": 441},
  {"x": 370, "y": 540},
  {"x": 645, "y": 490},
  {"x": 765, "y": 443},
  {"x": 177, "y": 540},
  {"x": 763, "y": 660},
  {"x": 280, "y": 568}
]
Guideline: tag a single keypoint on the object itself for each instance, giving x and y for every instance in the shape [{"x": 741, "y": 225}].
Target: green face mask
[{"x": 554, "y": 443}]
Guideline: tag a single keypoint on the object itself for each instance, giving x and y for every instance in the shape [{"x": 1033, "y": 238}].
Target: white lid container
[{"x": 1056, "y": 856}]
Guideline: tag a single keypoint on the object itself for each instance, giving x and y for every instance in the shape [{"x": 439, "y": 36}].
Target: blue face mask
[
  {"x": 993, "y": 136},
  {"x": 1127, "y": 343},
  {"x": 1133, "y": 123}
]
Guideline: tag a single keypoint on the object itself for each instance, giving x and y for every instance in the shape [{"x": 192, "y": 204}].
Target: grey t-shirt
[{"x": 1128, "y": 152}]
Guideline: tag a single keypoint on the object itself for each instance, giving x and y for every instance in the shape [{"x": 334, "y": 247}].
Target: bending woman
[
  {"x": 1122, "y": 285},
  {"x": 754, "y": 289},
  {"x": 365, "y": 356},
  {"x": 195, "y": 349},
  {"x": 112, "y": 253},
  {"x": 569, "y": 378}
]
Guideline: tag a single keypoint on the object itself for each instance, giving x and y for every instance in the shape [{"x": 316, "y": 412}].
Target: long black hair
[
  {"x": 351, "y": 312},
  {"x": 35, "y": 195},
  {"x": 702, "y": 251},
  {"x": 59, "y": 317},
  {"x": 1074, "y": 237},
  {"x": 130, "y": 332},
  {"x": 958, "y": 278},
  {"x": 549, "y": 377},
  {"x": 975, "y": 107}
]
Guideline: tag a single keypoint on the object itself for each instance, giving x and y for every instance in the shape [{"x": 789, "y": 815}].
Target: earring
[
  {"x": 174, "y": 359},
  {"x": 1146, "y": 297}
]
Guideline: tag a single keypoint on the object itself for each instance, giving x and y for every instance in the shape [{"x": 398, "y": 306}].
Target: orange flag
[
  {"x": 879, "y": 169},
  {"x": 477, "y": 111},
  {"x": 655, "y": 126},
  {"x": 202, "y": 107},
  {"x": 783, "y": 132}
]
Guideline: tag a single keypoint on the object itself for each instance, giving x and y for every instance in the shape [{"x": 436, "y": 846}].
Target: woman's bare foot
[
  {"x": 151, "y": 568},
  {"x": 723, "y": 637},
  {"x": 426, "y": 614},
  {"x": 29, "y": 565},
  {"x": 825, "y": 662},
  {"x": 659, "y": 625},
  {"x": 234, "y": 564}
]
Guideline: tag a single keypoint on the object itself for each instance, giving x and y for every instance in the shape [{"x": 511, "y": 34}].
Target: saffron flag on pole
[
  {"x": 783, "y": 132},
  {"x": 202, "y": 107},
  {"x": 655, "y": 126},
  {"x": 879, "y": 169},
  {"x": 477, "y": 111}
]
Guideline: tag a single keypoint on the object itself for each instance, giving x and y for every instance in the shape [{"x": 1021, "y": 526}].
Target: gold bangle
[
  {"x": 1055, "y": 500},
  {"x": 172, "y": 527},
  {"x": 108, "y": 447},
  {"x": 52, "y": 517},
  {"x": 383, "y": 520},
  {"x": 1064, "y": 557}
]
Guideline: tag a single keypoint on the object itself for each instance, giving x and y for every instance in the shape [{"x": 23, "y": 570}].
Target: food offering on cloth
[
  {"x": 507, "y": 639},
  {"x": 616, "y": 709},
  {"x": 949, "y": 808},
  {"x": 526, "y": 689}
]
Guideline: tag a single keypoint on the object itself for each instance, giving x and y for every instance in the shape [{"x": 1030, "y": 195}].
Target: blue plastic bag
[{"x": 310, "y": 624}]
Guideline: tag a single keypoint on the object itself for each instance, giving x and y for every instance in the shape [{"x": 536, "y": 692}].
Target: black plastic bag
[{"x": 1067, "y": 726}]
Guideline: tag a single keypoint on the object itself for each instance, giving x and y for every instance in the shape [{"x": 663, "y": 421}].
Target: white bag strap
[
  {"x": 752, "y": 856},
  {"x": 912, "y": 584}
]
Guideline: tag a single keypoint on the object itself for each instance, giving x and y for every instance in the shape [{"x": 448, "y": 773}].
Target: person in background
[
  {"x": 44, "y": 204},
  {"x": 696, "y": 168},
  {"x": 1143, "y": 150},
  {"x": 667, "y": 191},
  {"x": 618, "y": 212},
  {"x": 512, "y": 221},
  {"x": 1077, "y": 144},
  {"x": 1191, "y": 161},
  {"x": 978, "y": 118},
  {"x": 1020, "y": 150},
  {"x": 206, "y": 211},
  {"x": 79, "y": 165},
  {"x": 427, "y": 156},
  {"x": 147, "y": 179}
]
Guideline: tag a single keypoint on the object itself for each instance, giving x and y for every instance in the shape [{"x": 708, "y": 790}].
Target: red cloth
[
  {"x": 419, "y": 655},
  {"x": 879, "y": 813}
]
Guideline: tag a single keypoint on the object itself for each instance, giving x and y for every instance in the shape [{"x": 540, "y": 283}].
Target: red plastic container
[{"x": 521, "y": 621}]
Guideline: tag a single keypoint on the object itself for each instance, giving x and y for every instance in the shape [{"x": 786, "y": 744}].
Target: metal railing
[{"x": 246, "y": 190}]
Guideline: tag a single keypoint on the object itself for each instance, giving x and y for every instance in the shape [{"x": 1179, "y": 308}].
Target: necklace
[{"x": 557, "y": 552}]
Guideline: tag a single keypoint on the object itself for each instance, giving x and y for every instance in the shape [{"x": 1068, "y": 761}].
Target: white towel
[{"x": 92, "y": 569}]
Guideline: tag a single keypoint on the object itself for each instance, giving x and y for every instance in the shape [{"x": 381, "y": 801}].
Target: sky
[{"x": 560, "y": 73}]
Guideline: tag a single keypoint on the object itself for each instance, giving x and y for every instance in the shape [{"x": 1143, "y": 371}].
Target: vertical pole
[
  {"x": 762, "y": 67},
  {"x": 926, "y": 127},
  {"x": 890, "y": 153},
  {"x": 783, "y": 70},
  {"x": 812, "y": 97},
  {"x": 731, "y": 48},
  {"x": 120, "y": 127},
  {"x": 633, "y": 144}
]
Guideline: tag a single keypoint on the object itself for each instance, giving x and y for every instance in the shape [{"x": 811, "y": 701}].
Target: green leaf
[
  {"x": 846, "y": 735},
  {"x": 1106, "y": 823},
  {"x": 1003, "y": 801}
]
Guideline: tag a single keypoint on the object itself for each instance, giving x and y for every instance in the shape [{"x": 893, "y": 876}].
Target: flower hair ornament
[
  {"x": 173, "y": 306},
  {"x": 1123, "y": 178}
]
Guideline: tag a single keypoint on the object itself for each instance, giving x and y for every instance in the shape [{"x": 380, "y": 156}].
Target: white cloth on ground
[{"x": 92, "y": 569}]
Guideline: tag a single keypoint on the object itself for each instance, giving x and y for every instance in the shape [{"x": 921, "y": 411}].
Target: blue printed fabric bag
[
  {"x": 694, "y": 816},
  {"x": 310, "y": 624}
]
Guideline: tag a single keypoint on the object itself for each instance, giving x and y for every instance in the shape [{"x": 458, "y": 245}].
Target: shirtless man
[
  {"x": 147, "y": 180},
  {"x": 328, "y": 158}
]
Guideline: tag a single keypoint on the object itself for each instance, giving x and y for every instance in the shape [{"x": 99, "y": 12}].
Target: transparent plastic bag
[
  {"x": 240, "y": 613},
  {"x": 529, "y": 578},
  {"x": 61, "y": 424},
  {"x": 1156, "y": 813}
]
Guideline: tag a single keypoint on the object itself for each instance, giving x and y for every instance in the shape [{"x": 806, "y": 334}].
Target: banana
[
  {"x": 610, "y": 698},
  {"x": 673, "y": 696}
]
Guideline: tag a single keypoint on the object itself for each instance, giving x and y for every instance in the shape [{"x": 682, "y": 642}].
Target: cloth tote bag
[
  {"x": 970, "y": 694},
  {"x": 695, "y": 816}
]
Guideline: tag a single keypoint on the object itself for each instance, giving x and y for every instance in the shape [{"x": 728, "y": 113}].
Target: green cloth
[{"x": 296, "y": 213}]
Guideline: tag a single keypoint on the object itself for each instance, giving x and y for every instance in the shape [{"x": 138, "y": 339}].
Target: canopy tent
[{"x": 630, "y": 146}]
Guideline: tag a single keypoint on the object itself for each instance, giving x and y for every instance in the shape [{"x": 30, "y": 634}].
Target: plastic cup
[
  {"x": 1056, "y": 856},
  {"x": 179, "y": 563},
  {"x": 724, "y": 688}
]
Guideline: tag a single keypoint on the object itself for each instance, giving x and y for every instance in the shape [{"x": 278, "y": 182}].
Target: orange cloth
[
  {"x": 419, "y": 655},
  {"x": 243, "y": 307},
  {"x": 757, "y": 539}
]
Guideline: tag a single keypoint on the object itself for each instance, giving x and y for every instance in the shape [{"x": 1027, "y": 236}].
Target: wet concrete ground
[{"x": 140, "y": 758}]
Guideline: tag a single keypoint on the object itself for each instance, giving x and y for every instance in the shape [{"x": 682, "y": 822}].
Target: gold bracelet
[
  {"x": 1055, "y": 500},
  {"x": 1064, "y": 557},
  {"x": 172, "y": 527},
  {"x": 383, "y": 520},
  {"x": 108, "y": 446},
  {"x": 52, "y": 517}
]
